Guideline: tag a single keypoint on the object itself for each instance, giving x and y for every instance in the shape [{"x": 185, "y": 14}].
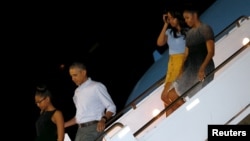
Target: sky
[{"x": 115, "y": 39}]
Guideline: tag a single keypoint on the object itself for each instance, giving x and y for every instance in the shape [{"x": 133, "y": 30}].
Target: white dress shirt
[{"x": 91, "y": 99}]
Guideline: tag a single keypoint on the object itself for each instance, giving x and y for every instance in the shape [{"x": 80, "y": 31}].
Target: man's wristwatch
[{"x": 105, "y": 118}]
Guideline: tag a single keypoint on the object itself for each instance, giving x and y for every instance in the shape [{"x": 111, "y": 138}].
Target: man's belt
[{"x": 86, "y": 124}]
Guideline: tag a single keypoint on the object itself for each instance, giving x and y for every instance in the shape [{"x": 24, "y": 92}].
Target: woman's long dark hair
[{"x": 184, "y": 28}]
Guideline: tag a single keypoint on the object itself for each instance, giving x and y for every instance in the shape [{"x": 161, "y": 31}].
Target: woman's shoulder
[
  {"x": 57, "y": 111},
  {"x": 58, "y": 114},
  {"x": 205, "y": 25},
  {"x": 206, "y": 30}
]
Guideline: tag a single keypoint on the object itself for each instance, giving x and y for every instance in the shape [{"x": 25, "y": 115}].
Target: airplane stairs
[{"x": 224, "y": 101}]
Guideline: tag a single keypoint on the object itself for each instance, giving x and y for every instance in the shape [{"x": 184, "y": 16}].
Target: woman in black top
[{"x": 50, "y": 124}]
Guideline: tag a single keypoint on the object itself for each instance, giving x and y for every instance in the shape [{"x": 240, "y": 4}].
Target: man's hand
[{"x": 101, "y": 125}]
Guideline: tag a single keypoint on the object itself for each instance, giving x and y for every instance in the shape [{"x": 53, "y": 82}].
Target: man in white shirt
[{"x": 94, "y": 105}]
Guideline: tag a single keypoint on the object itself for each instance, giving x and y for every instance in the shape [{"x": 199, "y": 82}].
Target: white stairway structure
[{"x": 225, "y": 100}]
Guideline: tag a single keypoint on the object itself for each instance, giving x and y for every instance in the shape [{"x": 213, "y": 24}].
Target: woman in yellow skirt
[{"x": 173, "y": 34}]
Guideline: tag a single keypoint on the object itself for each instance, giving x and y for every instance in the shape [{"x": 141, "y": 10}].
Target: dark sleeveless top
[{"x": 45, "y": 128}]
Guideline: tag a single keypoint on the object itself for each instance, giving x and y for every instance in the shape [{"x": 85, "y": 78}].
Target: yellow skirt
[{"x": 175, "y": 65}]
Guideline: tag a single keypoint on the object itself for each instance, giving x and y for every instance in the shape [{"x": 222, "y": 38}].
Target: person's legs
[
  {"x": 78, "y": 134},
  {"x": 175, "y": 66},
  {"x": 165, "y": 98},
  {"x": 172, "y": 96},
  {"x": 87, "y": 133},
  {"x": 164, "y": 94}
]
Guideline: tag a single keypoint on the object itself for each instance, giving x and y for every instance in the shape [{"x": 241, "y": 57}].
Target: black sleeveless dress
[{"x": 45, "y": 128}]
